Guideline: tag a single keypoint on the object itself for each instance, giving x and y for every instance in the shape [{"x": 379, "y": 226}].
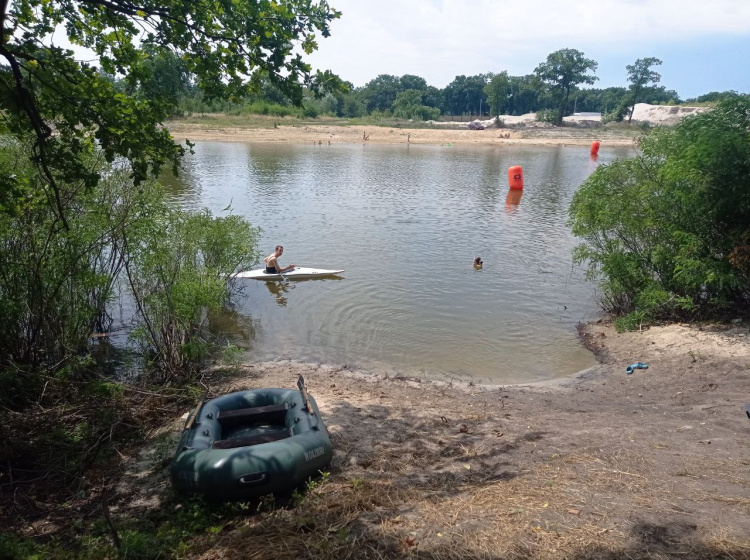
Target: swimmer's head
[{"x": 478, "y": 260}]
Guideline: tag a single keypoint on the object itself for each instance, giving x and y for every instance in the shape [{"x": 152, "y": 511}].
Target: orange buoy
[
  {"x": 513, "y": 198},
  {"x": 594, "y": 148},
  {"x": 515, "y": 177}
]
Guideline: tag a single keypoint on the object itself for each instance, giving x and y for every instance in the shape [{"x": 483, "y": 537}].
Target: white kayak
[{"x": 298, "y": 273}]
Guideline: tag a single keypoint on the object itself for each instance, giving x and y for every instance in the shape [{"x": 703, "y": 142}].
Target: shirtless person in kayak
[{"x": 272, "y": 264}]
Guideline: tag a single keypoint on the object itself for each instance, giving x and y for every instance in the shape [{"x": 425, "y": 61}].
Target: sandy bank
[
  {"x": 516, "y": 130},
  {"x": 601, "y": 465},
  {"x": 325, "y": 135}
]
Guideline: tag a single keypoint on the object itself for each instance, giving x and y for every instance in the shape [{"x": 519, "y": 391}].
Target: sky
[{"x": 704, "y": 45}]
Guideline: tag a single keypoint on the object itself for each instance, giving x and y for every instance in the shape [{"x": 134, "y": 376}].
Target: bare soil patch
[{"x": 601, "y": 465}]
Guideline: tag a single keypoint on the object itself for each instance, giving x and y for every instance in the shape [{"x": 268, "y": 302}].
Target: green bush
[
  {"x": 618, "y": 113},
  {"x": 547, "y": 115},
  {"x": 667, "y": 231},
  {"x": 310, "y": 111},
  {"x": 13, "y": 547},
  {"x": 56, "y": 281},
  {"x": 353, "y": 107},
  {"x": 177, "y": 267},
  {"x": 265, "y": 108}
]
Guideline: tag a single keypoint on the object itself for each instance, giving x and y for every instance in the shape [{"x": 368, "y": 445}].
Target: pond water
[{"x": 406, "y": 221}]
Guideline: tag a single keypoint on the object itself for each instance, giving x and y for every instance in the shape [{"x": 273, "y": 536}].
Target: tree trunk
[
  {"x": 632, "y": 107},
  {"x": 561, "y": 110}
]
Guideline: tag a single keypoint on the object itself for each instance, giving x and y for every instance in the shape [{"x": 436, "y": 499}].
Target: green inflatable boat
[{"x": 251, "y": 443}]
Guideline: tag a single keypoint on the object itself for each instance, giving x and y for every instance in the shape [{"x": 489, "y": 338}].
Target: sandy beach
[
  {"x": 328, "y": 134},
  {"x": 514, "y": 130},
  {"x": 600, "y": 465}
]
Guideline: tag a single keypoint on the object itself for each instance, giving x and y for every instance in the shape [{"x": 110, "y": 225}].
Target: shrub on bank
[
  {"x": 56, "y": 282},
  {"x": 547, "y": 116},
  {"x": 668, "y": 231}
]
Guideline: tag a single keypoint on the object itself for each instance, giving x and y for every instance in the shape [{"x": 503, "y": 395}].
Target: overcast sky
[{"x": 704, "y": 45}]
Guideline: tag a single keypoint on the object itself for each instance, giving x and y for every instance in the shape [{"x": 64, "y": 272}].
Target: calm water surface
[{"x": 405, "y": 222}]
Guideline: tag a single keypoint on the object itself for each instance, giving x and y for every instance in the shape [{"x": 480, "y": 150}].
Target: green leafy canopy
[
  {"x": 66, "y": 106},
  {"x": 562, "y": 71}
]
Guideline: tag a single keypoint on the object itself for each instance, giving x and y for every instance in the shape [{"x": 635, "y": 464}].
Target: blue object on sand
[{"x": 637, "y": 365}]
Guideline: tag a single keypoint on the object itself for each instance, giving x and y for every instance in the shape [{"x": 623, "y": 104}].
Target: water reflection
[
  {"x": 228, "y": 324},
  {"x": 278, "y": 291},
  {"x": 404, "y": 223},
  {"x": 513, "y": 198}
]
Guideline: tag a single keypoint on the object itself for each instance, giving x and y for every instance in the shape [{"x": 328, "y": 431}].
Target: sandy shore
[
  {"x": 601, "y": 465},
  {"x": 579, "y": 130},
  {"x": 327, "y": 134}
]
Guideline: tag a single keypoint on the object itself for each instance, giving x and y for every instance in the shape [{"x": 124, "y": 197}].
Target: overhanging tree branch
[{"x": 26, "y": 99}]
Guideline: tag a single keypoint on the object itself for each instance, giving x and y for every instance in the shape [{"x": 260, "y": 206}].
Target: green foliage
[
  {"x": 466, "y": 95},
  {"x": 352, "y": 106},
  {"x": 492, "y": 93},
  {"x": 639, "y": 76},
  {"x": 712, "y": 98},
  {"x": 408, "y": 105},
  {"x": 230, "y": 48},
  {"x": 265, "y": 108},
  {"x": 165, "y": 78},
  {"x": 633, "y": 321},
  {"x": 668, "y": 230},
  {"x": 55, "y": 281},
  {"x": 563, "y": 70},
  {"x": 598, "y": 99},
  {"x": 138, "y": 545},
  {"x": 497, "y": 92},
  {"x": 547, "y": 115},
  {"x": 17, "y": 548},
  {"x": 625, "y": 106},
  {"x": 525, "y": 93},
  {"x": 380, "y": 94},
  {"x": 177, "y": 266}
]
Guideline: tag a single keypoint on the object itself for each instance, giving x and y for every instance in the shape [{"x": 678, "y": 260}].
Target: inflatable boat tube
[{"x": 251, "y": 443}]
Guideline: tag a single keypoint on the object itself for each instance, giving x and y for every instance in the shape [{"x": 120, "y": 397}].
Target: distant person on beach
[
  {"x": 478, "y": 262},
  {"x": 272, "y": 263}
]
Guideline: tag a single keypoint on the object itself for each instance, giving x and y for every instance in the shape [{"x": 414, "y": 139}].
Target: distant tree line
[{"x": 553, "y": 88}]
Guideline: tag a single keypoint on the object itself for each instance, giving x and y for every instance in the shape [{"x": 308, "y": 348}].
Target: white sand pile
[
  {"x": 653, "y": 114},
  {"x": 663, "y": 114}
]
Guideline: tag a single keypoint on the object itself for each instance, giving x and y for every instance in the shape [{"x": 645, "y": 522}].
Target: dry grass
[
  {"x": 447, "y": 479},
  {"x": 566, "y": 508}
]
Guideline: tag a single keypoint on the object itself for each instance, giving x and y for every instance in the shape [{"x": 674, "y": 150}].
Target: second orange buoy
[
  {"x": 594, "y": 148},
  {"x": 515, "y": 177}
]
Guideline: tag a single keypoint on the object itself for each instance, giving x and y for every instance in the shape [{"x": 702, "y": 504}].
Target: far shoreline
[{"x": 214, "y": 130}]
